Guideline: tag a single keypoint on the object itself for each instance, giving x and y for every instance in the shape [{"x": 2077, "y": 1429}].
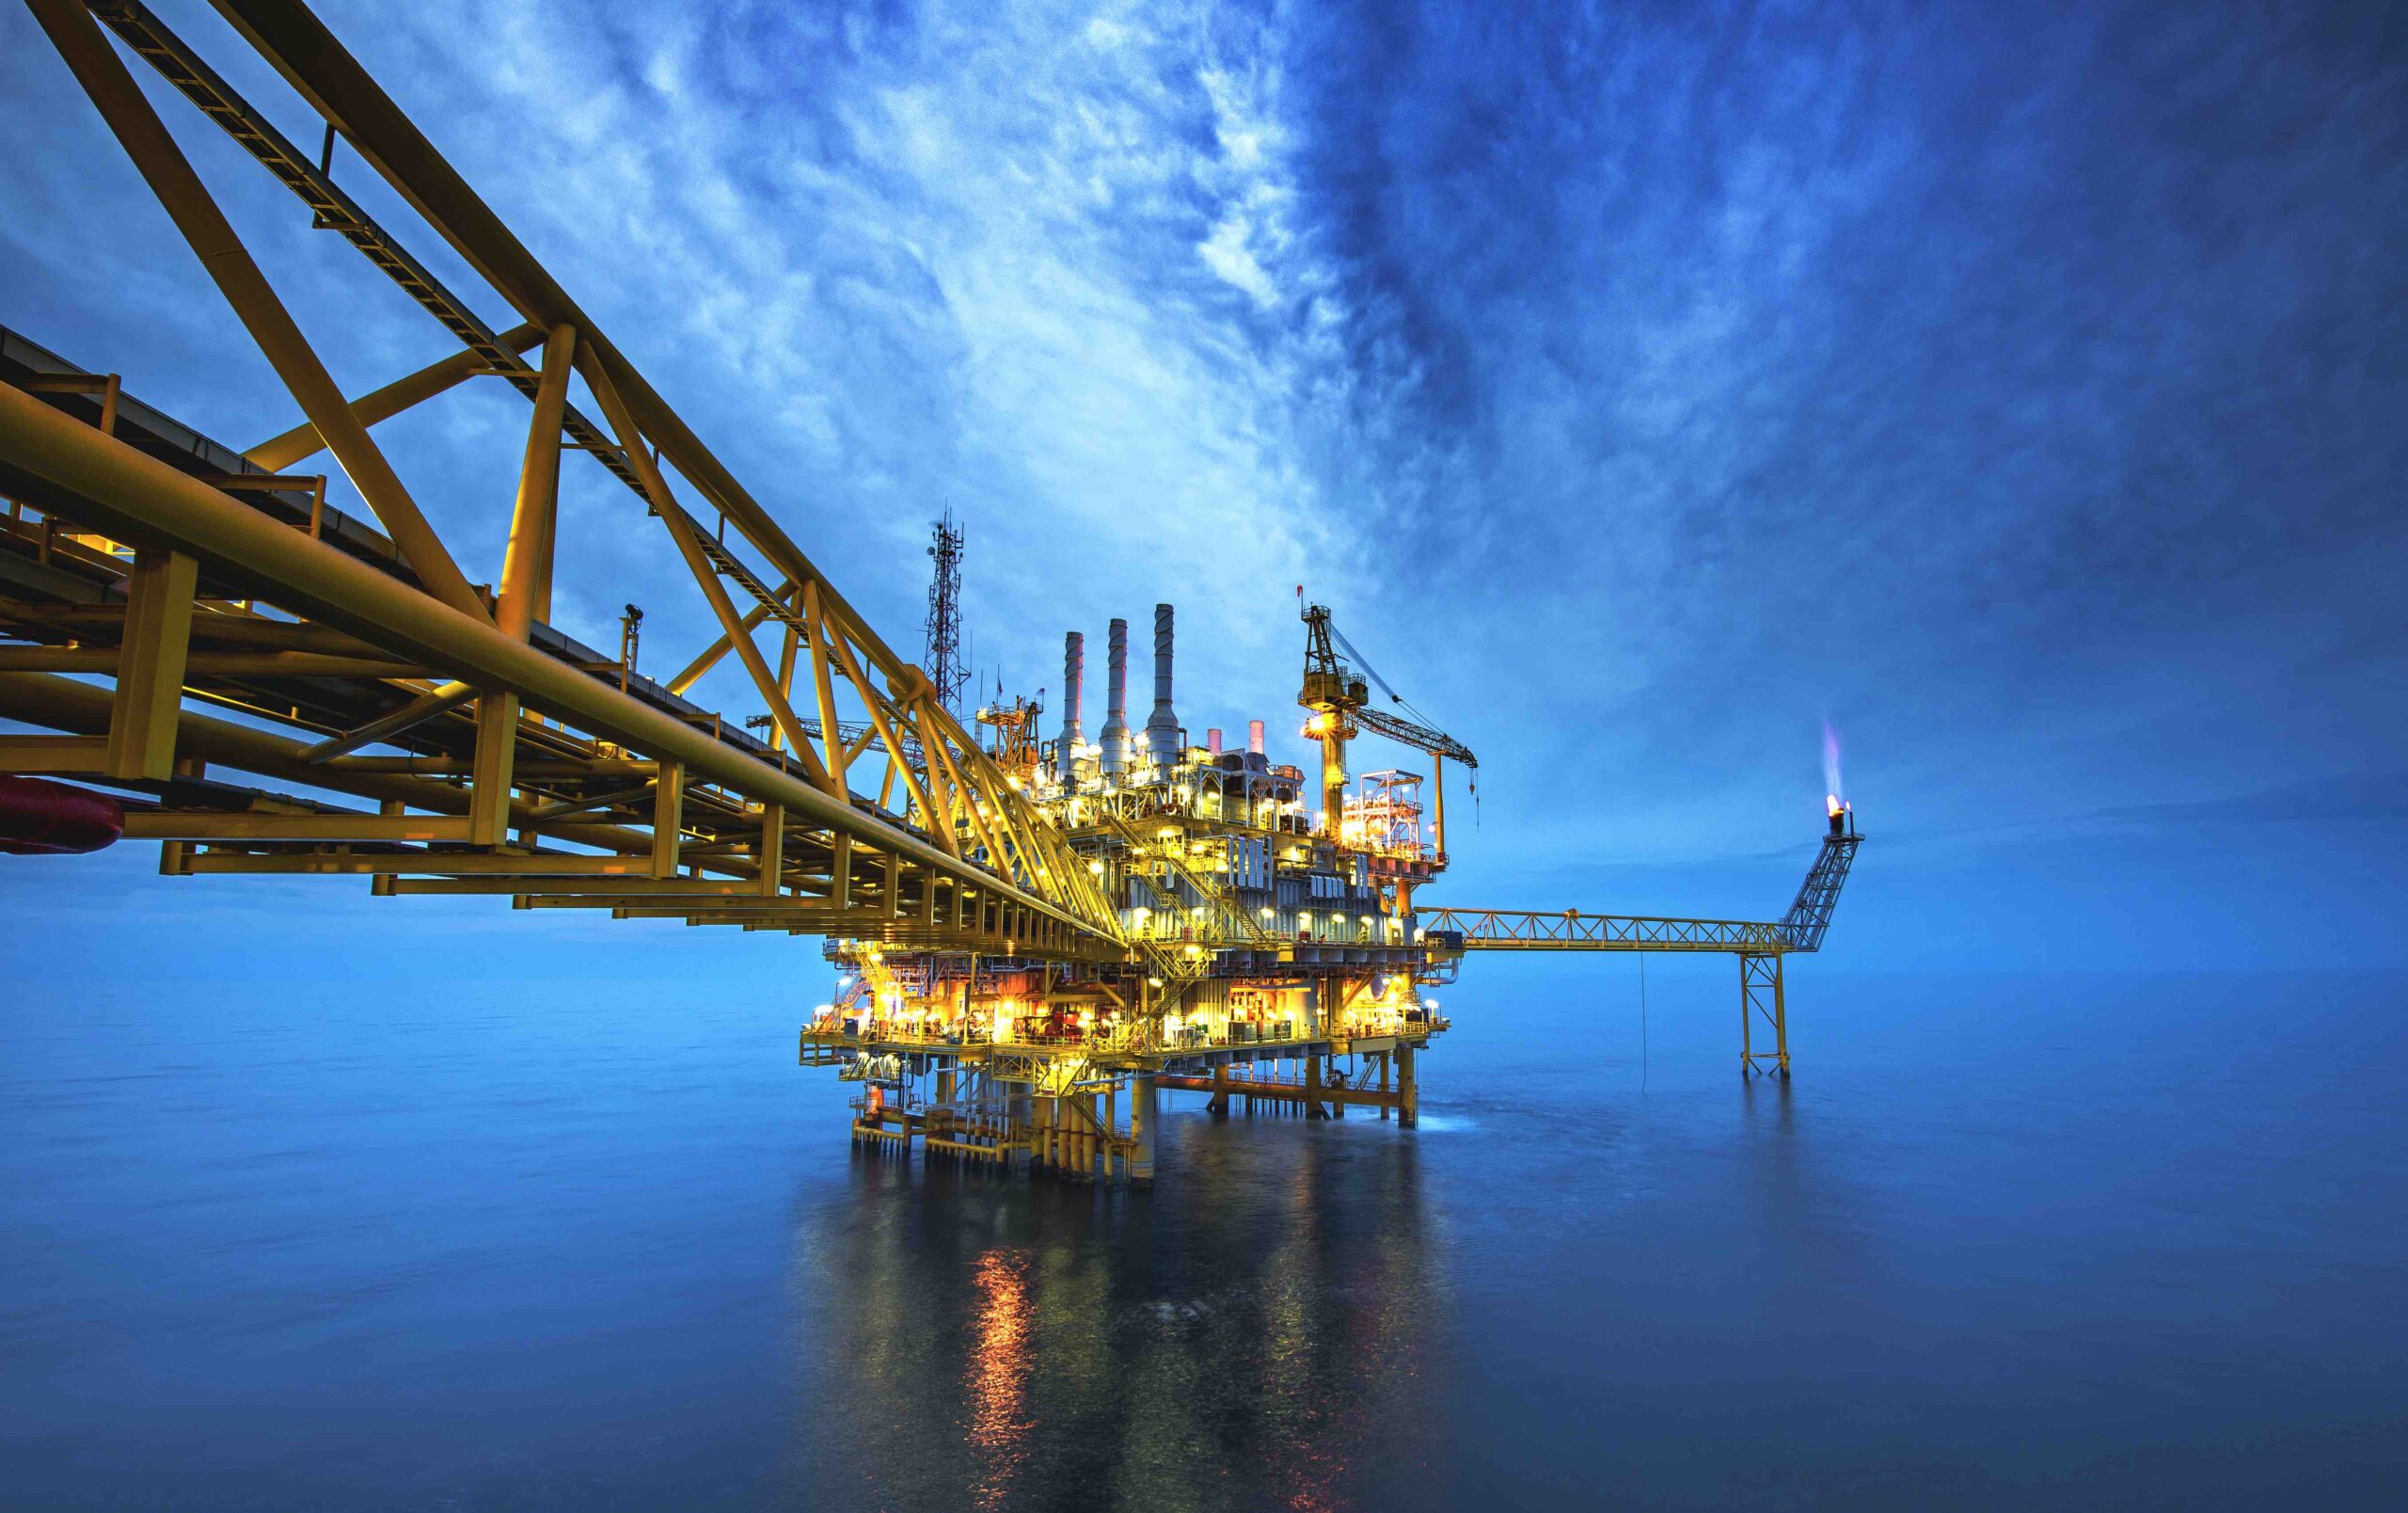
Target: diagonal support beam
[
  {"x": 179, "y": 189},
  {"x": 817, "y": 627},
  {"x": 415, "y": 712},
  {"x": 278, "y": 453},
  {"x": 681, "y": 530},
  {"x": 711, "y": 655},
  {"x": 843, "y": 652}
]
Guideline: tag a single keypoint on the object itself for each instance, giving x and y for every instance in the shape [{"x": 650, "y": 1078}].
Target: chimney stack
[
  {"x": 1116, "y": 714},
  {"x": 1254, "y": 736},
  {"x": 1212, "y": 738},
  {"x": 1074, "y": 663},
  {"x": 1162, "y": 727}
]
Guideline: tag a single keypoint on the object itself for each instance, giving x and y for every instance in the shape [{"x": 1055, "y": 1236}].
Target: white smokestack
[
  {"x": 1074, "y": 665},
  {"x": 1115, "y": 710},
  {"x": 1162, "y": 727},
  {"x": 1254, "y": 736}
]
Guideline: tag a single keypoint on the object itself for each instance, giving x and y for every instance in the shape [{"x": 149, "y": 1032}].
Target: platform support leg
[
  {"x": 1408, "y": 1089},
  {"x": 1143, "y": 1105},
  {"x": 1762, "y": 1009}
]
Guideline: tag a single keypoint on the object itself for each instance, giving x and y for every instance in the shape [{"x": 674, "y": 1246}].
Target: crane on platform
[{"x": 1337, "y": 700}]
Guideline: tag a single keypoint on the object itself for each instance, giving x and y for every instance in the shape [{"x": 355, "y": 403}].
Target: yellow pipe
[
  {"x": 1438, "y": 779},
  {"x": 64, "y": 704},
  {"x": 209, "y": 663},
  {"x": 141, "y": 500},
  {"x": 1333, "y": 775}
]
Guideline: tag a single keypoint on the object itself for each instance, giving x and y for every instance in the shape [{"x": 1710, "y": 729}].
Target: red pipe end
[{"x": 39, "y": 818}]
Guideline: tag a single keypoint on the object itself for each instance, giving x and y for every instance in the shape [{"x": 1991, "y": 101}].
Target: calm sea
[{"x": 2073, "y": 1241}]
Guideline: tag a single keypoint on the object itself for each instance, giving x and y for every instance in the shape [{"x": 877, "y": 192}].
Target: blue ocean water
[{"x": 2006, "y": 1241}]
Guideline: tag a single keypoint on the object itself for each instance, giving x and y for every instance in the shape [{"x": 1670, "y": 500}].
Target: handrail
[{"x": 1571, "y": 929}]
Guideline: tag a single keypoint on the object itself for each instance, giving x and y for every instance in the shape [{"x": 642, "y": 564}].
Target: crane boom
[
  {"x": 1422, "y": 738},
  {"x": 1339, "y": 698}
]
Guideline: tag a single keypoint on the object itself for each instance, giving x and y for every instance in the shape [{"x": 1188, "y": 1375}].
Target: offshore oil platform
[
  {"x": 272, "y": 671},
  {"x": 1277, "y": 954}
]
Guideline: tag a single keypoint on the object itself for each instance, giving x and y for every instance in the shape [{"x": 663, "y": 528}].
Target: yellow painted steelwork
[{"x": 1035, "y": 942}]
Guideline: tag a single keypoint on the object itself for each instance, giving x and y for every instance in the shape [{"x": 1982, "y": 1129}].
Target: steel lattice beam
[{"x": 960, "y": 818}]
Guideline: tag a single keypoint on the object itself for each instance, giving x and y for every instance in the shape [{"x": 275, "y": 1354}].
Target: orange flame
[{"x": 1832, "y": 802}]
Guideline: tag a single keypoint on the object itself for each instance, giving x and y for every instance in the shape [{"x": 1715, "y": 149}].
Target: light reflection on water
[
  {"x": 1257, "y": 1337},
  {"x": 997, "y": 1372}
]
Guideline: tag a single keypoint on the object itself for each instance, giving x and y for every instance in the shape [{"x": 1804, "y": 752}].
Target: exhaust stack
[
  {"x": 1162, "y": 727},
  {"x": 1074, "y": 663},
  {"x": 1254, "y": 736},
  {"x": 1116, "y": 712}
]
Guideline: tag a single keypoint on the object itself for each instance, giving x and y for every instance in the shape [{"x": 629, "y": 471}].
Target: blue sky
[{"x": 2022, "y": 392}]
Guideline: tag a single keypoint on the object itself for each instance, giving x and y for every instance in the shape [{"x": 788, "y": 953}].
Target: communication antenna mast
[{"x": 943, "y": 655}]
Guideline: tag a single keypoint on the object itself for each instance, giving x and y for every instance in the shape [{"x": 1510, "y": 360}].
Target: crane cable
[
  {"x": 1643, "y": 1021},
  {"x": 1395, "y": 697},
  {"x": 1374, "y": 674}
]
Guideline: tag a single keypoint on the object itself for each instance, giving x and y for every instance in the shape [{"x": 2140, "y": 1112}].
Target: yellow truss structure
[{"x": 530, "y": 770}]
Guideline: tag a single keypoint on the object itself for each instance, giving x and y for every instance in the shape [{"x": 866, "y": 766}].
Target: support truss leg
[
  {"x": 151, "y": 666},
  {"x": 1762, "y": 1009}
]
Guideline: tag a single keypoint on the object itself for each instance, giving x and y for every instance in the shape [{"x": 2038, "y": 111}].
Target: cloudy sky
[{"x": 2024, "y": 393}]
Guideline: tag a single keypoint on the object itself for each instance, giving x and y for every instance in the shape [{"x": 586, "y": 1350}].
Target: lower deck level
[{"x": 1089, "y": 1113}]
